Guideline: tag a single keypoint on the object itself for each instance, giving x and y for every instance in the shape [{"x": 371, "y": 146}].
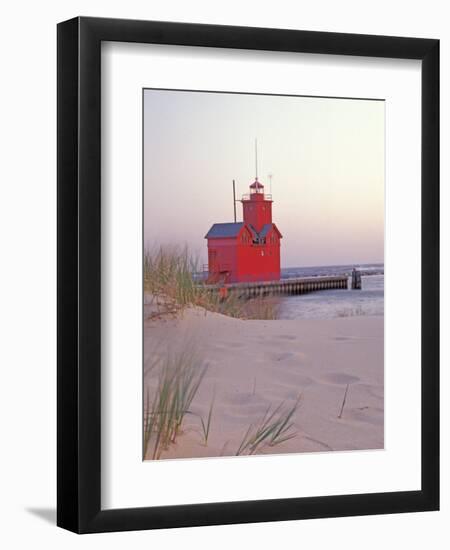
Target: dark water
[{"x": 328, "y": 304}]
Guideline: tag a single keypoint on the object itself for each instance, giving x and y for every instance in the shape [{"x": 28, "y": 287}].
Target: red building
[{"x": 249, "y": 250}]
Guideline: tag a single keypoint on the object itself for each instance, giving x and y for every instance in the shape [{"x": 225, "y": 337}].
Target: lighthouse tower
[
  {"x": 257, "y": 207},
  {"x": 247, "y": 251}
]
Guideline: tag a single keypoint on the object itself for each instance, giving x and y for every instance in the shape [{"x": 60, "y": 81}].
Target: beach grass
[
  {"x": 206, "y": 424},
  {"x": 274, "y": 428},
  {"x": 169, "y": 276},
  {"x": 168, "y": 272},
  {"x": 179, "y": 378}
]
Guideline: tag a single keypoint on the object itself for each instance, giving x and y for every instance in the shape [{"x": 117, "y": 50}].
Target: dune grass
[
  {"x": 206, "y": 424},
  {"x": 179, "y": 379},
  {"x": 168, "y": 272},
  {"x": 274, "y": 428},
  {"x": 169, "y": 276},
  {"x": 242, "y": 308}
]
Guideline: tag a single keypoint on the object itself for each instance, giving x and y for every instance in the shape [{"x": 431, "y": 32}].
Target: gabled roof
[
  {"x": 266, "y": 230},
  {"x": 277, "y": 230},
  {"x": 224, "y": 230},
  {"x": 232, "y": 230},
  {"x": 253, "y": 231}
]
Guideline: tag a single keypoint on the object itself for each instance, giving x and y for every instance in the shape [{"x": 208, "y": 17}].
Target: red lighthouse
[{"x": 249, "y": 250}]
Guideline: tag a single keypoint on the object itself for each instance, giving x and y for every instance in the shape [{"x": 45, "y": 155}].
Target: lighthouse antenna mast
[
  {"x": 256, "y": 158},
  {"x": 234, "y": 200}
]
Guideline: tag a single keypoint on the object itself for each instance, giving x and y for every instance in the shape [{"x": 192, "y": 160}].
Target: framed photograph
[{"x": 248, "y": 275}]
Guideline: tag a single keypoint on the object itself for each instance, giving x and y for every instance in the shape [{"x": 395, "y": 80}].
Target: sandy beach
[{"x": 254, "y": 364}]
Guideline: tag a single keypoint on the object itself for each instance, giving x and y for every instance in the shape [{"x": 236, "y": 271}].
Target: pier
[
  {"x": 356, "y": 280},
  {"x": 282, "y": 286}
]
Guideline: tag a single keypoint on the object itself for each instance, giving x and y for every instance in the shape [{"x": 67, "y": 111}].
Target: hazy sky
[{"x": 326, "y": 157}]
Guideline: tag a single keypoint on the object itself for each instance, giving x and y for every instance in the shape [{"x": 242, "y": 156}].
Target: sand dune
[{"x": 255, "y": 364}]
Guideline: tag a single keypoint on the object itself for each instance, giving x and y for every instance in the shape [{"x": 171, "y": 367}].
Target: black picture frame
[{"x": 79, "y": 280}]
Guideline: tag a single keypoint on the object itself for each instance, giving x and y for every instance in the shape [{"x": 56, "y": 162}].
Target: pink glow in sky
[{"x": 326, "y": 156}]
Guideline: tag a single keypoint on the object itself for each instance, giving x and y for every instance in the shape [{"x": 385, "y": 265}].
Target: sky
[{"x": 326, "y": 157}]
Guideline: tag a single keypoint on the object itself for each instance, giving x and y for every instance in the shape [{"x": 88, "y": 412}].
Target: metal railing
[{"x": 248, "y": 196}]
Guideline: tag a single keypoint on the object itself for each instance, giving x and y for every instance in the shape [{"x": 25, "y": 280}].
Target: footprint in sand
[
  {"x": 228, "y": 345},
  {"x": 246, "y": 399},
  {"x": 339, "y": 378},
  {"x": 373, "y": 390},
  {"x": 295, "y": 380},
  {"x": 234, "y": 344},
  {"x": 367, "y": 415},
  {"x": 277, "y": 356}
]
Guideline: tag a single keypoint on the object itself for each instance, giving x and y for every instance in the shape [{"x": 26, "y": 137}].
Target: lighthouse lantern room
[{"x": 246, "y": 251}]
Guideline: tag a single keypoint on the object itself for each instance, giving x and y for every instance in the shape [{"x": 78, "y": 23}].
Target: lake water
[{"x": 328, "y": 304}]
